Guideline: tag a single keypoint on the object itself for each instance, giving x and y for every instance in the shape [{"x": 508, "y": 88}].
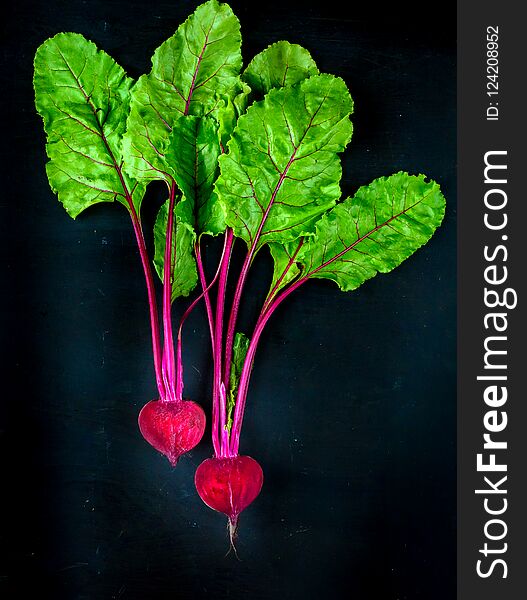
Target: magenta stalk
[
  {"x": 245, "y": 268},
  {"x": 145, "y": 261},
  {"x": 219, "y": 432},
  {"x": 276, "y": 286},
  {"x": 152, "y": 304},
  {"x": 269, "y": 307},
  {"x": 245, "y": 375},
  {"x": 204, "y": 293},
  {"x": 231, "y": 327},
  {"x": 136, "y": 223},
  {"x": 205, "y": 288},
  {"x": 168, "y": 346}
]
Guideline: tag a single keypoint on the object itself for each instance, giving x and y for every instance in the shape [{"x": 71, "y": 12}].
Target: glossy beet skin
[
  {"x": 229, "y": 485},
  {"x": 172, "y": 428}
]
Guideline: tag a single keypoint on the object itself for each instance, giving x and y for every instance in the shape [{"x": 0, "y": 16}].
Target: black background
[{"x": 351, "y": 411}]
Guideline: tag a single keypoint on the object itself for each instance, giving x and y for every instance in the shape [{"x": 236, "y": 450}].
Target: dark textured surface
[{"x": 351, "y": 410}]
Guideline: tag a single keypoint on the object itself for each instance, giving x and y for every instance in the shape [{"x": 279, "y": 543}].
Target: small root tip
[
  {"x": 172, "y": 459},
  {"x": 232, "y": 525},
  {"x": 233, "y": 529}
]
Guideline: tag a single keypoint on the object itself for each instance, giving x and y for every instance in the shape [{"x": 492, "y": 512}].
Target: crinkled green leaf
[
  {"x": 195, "y": 72},
  {"x": 241, "y": 100},
  {"x": 194, "y": 150},
  {"x": 185, "y": 276},
  {"x": 373, "y": 232},
  {"x": 234, "y": 108},
  {"x": 239, "y": 352},
  {"x": 281, "y": 64},
  {"x": 282, "y": 171},
  {"x": 83, "y": 96}
]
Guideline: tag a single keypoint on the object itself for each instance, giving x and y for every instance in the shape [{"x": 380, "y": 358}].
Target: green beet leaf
[
  {"x": 194, "y": 149},
  {"x": 195, "y": 72},
  {"x": 231, "y": 112},
  {"x": 185, "y": 276},
  {"x": 280, "y": 65},
  {"x": 373, "y": 232},
  {"x": 281, "y": 171},
  {"x": 82, "y": 95}
]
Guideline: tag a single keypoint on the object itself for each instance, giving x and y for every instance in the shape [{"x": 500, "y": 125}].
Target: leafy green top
[
  {"x": 280, "y": 65},
  {"x": 270, "y": 172},
  {"x": 195, "y": 72},
  {"x": 281, "y": 171},
  {"x": 373, "y": 232},
  {"x": 83, "y": 96}
]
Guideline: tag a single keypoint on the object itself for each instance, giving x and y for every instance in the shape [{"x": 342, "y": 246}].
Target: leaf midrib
[
  {"x": 366, "y": 235},
  {"x": 101, "y": 129},
  {"x": 283, "y": 175},
  {"x": 198, "y": 65}
]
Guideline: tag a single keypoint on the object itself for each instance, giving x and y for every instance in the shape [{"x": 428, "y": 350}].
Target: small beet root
[
  {"x": 172, "y": 428},
  {"x": 229, "y": 485}
]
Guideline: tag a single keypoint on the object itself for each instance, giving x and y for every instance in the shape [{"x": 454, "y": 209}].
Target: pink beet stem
[
  {"x": 218, "y": 435},
  {"x": 179, "y": 370},
  {"x": 179, "y": 361},
  {"x": 168, "y": 353},
  {"x": 136, "y": 223},
  {"x": 205, "y": 288},
  {"x": 245, "y": 375},
  {"x": 266, "y": 313},
  {"x": 274, "y": 290},
  {"x": 145, "y": 261},
  {"x": 224, "y": 433},
  {"x": 229, "y": 341},
  {"x": 152, "y": 304}
]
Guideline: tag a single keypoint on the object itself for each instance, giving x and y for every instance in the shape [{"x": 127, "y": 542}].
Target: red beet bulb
[
  {"x": 229, "y": 485},
  {"x": 172, "y": 428}
]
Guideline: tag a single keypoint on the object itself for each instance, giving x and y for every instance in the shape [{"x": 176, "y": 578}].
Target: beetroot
[
  {"x": 172, "y": 428},
  {"x": 229, "y": 485}
]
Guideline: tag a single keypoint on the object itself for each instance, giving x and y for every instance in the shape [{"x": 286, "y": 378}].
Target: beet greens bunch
[{"x": 251, "y": 155}]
